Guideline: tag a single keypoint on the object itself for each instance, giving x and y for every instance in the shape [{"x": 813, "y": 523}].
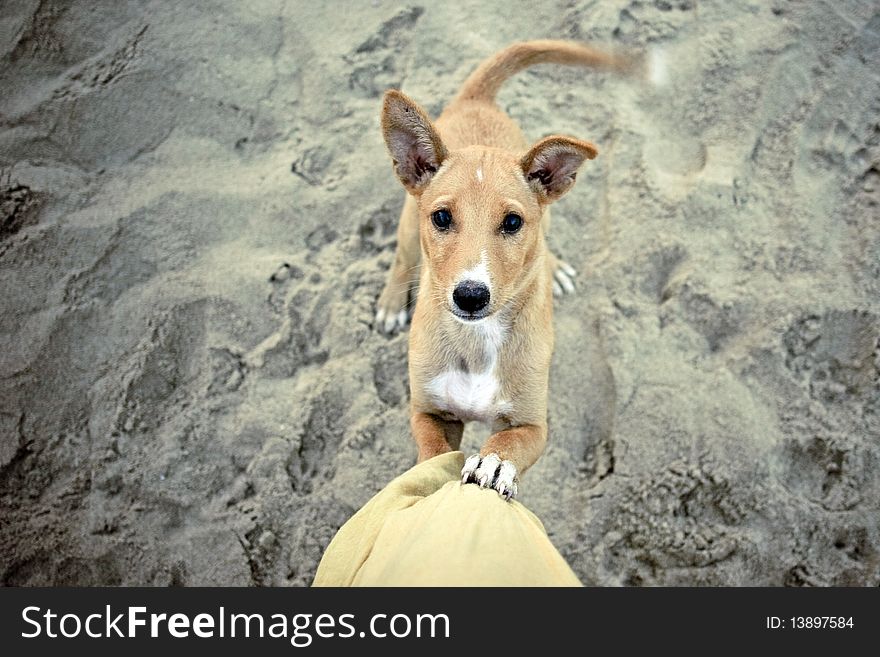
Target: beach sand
[{"x": 198, "y": 213}]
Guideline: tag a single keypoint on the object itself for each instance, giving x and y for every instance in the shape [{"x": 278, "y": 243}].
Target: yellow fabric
[{"x": 426, "y": 529}]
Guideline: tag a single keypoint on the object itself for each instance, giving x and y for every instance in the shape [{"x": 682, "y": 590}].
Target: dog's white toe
[
  {"x": 491, "y": 472},
  {"x": 485, "y": 474},
  {"x": 470, "y": 466},
  {"x": 563, "y": 278},
  {"x": 390, "y": 323},
  {"x": 505, "y": 482}
]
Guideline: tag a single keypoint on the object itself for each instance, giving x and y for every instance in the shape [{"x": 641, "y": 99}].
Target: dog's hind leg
[
  {"x": 392, "y": 308},
  {"x": 563, "y": 274}
]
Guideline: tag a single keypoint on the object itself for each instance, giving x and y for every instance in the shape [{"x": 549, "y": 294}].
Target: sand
[{"x": 198, "y": 214}]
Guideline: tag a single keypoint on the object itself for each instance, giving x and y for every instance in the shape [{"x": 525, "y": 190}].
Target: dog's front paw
[{"x": 491, "y": 472}]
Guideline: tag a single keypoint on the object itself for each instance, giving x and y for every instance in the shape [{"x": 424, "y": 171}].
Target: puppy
[{"x": 472, "y": 235}]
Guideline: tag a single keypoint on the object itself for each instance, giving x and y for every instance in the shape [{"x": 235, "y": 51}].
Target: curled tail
[{"x": 484, "y": 83}]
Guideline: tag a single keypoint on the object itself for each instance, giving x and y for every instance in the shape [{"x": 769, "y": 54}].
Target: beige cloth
[{"x": 426, "y": 529}]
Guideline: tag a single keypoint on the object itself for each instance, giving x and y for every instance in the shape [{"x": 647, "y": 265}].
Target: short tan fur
[{"x": 482, "y": 334}]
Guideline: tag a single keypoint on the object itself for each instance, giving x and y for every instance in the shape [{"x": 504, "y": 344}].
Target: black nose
[{"x": 471, "y": 296}]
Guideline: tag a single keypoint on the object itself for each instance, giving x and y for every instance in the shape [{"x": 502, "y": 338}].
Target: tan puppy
[{"x": 472, "y": 234}]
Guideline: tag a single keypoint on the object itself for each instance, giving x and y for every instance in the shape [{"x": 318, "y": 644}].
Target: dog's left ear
[
  {"x": 551, "y": 165},
  {"x": 412, "y": 140}
]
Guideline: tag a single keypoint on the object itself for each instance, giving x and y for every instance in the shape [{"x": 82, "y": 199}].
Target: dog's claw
[
  {"x": 507, "y": 492},
  {"x": 470, "y": 465},
  {"x": 491, "y": 472},
  {"x": 563, "y": 278}
]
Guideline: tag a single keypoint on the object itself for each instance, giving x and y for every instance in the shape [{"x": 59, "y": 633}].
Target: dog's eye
[
  {"x": 442, "y": 219},
  {"x": 512, "y": 223}
]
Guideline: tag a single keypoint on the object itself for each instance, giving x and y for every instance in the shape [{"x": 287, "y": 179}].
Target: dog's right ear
[{"x": 413, "y": 142}]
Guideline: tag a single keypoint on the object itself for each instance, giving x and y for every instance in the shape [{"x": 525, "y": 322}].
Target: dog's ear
[
  {"x": 413, "y": 142},
  {"x": 551, "y": 165}
]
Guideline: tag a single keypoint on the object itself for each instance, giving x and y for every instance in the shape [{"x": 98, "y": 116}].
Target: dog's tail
[{"x": 484, "y": 83}]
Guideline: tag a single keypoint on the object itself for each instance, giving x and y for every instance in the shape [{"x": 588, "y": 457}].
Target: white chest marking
[
  {"x": 480, "y": 174},
  {"x": 465, "y": 395},
  {"x": 473, "y": 396}
]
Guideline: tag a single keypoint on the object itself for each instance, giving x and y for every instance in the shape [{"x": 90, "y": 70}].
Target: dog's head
[{"x": 480, "y": 208}]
